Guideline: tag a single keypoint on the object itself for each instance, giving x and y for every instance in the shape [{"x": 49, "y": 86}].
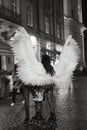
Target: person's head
[{"x": 45, "y": 59}]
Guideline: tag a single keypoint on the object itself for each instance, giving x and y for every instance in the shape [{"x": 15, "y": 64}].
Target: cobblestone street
[{"x": 71, "y": 110}]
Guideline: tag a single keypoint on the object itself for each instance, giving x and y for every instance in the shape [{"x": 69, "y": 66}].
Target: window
[
  {"x": 48, "y": 46},
  {"x": 47, "y": 29},
  {"x": 14, "y": 5},
  {"x": 58, "y": 31},
  {"x": 30, "y": 15},
  {"x": 74, "y": 9}
]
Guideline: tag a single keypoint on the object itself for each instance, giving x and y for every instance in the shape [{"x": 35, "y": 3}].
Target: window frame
[
  {"x": 30, "y": 14},
  {"x": 14, "y": 6}
]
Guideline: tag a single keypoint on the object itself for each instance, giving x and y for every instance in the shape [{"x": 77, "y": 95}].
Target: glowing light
[
  {"x": 59, "y": 47},
  {"x": 33, "y": 40}
]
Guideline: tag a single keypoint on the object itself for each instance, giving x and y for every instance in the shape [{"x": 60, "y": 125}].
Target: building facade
[
  {"x": 73, "y": 24},
  {"x": 48, "y": 22},
  {"x": 44, "y": 22},
  {"x": 9, "y": 13},
  {"x": 43, "y": 19}
]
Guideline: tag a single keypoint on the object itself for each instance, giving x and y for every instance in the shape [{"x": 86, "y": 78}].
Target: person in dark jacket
[
  {"x": 4, "y": 84},
  {"x": 17, "y": 85}
]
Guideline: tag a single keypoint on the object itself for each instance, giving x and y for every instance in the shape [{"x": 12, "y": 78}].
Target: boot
[
  {"x": 52, "y": 120},
  {"x": 37, "y": 120},
  {"x": 26, "y": 119},
  {"x": 52, "y": 116}
]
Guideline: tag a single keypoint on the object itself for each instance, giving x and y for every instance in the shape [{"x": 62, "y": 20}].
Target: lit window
[
  {"x": 58, "y": 31},
  {"x": 47, "y": 29},
  {"x": 33, "y": 40},
  {"x": 30, "y": 15},
  {"x": 48, "y": 46}
]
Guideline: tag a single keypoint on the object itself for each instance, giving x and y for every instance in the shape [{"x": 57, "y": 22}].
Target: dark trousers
[
  {"x": 15, "y": 92},
  {"x": 26, "y": 92},
  {"x": 14, "y": 95},
  {"x": 51, "y": 100},
  {"x": 49, "y": 95}
]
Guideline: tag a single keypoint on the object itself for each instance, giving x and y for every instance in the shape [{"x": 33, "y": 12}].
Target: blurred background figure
[
  {"x": 10, "y": 77},
  {"x": 0, "y": 83},
  {"x": 4, "y": 85},
  {"x": 17, "y": 87}
]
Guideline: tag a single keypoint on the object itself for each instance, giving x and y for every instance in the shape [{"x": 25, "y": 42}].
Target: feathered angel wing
[
  {"x": 67, "y": 63},
  {"x": 29, "y": 70}
]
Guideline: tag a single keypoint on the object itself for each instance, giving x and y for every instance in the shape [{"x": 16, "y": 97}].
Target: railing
[{"x": 9, "y": 15}]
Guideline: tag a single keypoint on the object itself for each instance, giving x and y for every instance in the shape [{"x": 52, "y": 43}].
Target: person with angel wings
[{"x": 34, "y": 73}]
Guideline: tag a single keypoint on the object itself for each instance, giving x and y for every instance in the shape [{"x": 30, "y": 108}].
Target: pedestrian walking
[
  {"x": 10, "y": 77},
  {"x": 17, "y": 84},
  {"x": 4, "y": 84}
]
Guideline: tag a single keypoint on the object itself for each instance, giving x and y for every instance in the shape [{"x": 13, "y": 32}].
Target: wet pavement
[
  {"x": 71, "y": 110},
  {"x": 7, "y": 113}
]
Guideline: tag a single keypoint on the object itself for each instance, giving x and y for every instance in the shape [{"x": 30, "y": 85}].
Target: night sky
[{"x": 84, "y": 11}]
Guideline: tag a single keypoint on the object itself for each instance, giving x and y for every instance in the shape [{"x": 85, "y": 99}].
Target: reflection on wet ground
[
  {"x": 29, "y": 127},
  {"x": 71, "y": 110}
]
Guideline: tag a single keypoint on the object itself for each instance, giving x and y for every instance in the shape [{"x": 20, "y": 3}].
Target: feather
[
  {"x": 31, "y": 71},
  {"x": 27, "y": 63},
  {"x": 68, "y": 61}
]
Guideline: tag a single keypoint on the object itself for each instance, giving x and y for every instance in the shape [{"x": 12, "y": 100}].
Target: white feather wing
[
  {"x": 67, "y": 63},
  {"x": 30, "y": 70}
]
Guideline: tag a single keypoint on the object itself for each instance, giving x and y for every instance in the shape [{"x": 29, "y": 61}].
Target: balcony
[{"x": 9, "y": 15}]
